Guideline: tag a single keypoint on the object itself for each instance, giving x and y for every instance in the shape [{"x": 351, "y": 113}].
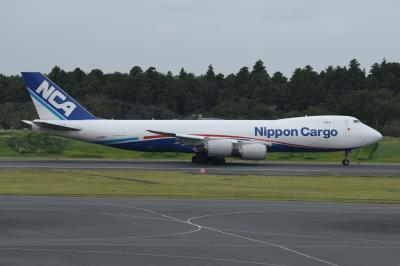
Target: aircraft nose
[
  {"x": 375, "y": 135},
  {"x": 378, "y": 135}
]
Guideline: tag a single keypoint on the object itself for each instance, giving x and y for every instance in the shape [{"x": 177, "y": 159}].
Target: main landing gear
[
  {"x": 346, "y": 160},
  {"x": 201, "y": 158}
]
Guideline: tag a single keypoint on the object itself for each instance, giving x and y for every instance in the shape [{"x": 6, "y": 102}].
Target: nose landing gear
[{"x": 346, "y": 160}]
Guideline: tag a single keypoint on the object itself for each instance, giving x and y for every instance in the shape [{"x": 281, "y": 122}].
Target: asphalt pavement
[
  {"x": 237, "y": 168},
  {"x": 103, "y": 231}
]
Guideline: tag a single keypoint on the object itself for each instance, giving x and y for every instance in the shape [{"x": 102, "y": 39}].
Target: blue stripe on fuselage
[
  {"x": 171, "y": 145},
  {"x": 114, "y": 141},
  {"x": 155, "y": 145}
]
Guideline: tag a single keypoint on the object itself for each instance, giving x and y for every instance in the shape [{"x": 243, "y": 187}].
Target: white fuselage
[{"x": 313, "y": 133}]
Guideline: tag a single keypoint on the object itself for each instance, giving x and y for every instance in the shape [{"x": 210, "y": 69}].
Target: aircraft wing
[
  {"x": 195, "y": 140},
  {"x": 183, "y": 138}
]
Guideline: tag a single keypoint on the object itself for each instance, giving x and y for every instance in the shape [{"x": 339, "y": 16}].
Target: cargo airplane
[{"x": 211, "y": 141}]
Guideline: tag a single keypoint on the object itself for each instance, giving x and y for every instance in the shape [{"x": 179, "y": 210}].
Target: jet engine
[
  {"x": 253, "y": 151},
  {"x": 219, "y": 148}
]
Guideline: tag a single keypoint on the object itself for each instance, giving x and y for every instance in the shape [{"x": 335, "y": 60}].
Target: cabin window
[{"x": 356, "y": 121}]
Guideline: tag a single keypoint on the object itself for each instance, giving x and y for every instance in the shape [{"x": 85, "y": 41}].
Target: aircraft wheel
[
  {"x": 205, "y": 159},
  {"x": 216, "y": 160},
  {"x": 200, "y": 159},
  {"x": 222, "y": 161},
  {"x": 345, "y": 162}
]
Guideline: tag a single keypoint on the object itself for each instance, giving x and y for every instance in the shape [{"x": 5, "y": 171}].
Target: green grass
[
  {"x": 186, "y": 185},
  {"x": 81, "y": 149},
  {"x": 387, "y": 151}
]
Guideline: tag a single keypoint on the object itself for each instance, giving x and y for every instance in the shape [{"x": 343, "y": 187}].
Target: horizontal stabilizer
[
  {"x": 28, "y": 122},
  {"x": 55, "y": 126}
]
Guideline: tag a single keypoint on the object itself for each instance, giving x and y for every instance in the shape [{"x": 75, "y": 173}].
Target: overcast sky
[{"x": 116, "y": 35}]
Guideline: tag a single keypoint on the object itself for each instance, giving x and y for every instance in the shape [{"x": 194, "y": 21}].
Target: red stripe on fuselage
[{"x": 156, "y": 137}]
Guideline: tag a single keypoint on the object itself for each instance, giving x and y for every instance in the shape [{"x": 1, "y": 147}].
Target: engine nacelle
[
  {"x": 219, "y": 148},
  {"x": 253, "y": 151}
]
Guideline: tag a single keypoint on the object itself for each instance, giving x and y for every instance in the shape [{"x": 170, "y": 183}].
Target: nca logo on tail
[{"x": 50, "y": 94}]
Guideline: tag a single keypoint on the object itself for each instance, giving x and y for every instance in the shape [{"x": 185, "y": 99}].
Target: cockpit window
[{"x": 356, "y": 121}]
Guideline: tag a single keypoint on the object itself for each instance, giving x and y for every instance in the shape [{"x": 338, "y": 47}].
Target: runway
[
  {"x": 237, "y": 168},
  {"x": 102, "y": 231}
]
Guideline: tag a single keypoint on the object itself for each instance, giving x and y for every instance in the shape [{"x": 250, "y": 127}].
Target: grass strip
[{"x": 171, "y": 184}]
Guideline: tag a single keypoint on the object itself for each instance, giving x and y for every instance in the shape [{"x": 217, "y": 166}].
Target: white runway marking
[
  {"x": 310, "y": 236},
  {"x": 261, "y": 242},
  {"x": 189, "y": 221},
  {"x": 169, "y": 218}
]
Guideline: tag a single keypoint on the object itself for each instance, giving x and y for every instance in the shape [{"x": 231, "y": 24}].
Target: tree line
[{"x": 252, "y": 93}]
